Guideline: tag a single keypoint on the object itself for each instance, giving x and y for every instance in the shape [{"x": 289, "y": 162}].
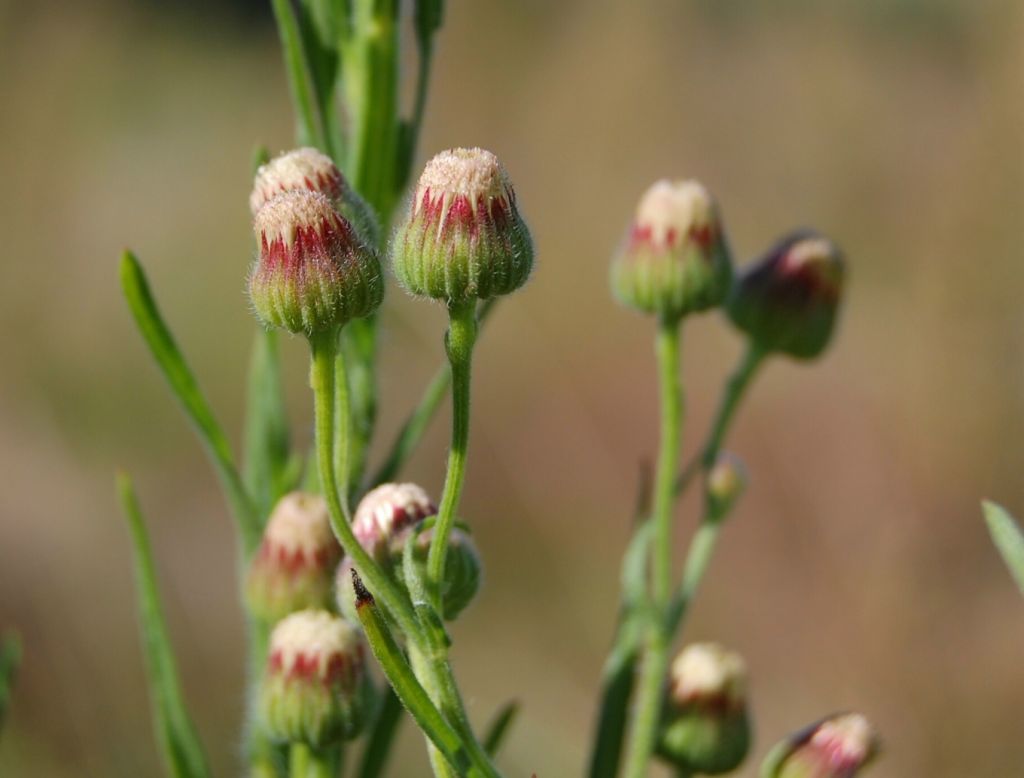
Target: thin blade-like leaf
[
  {"x": 10, "y": 659},
  {"x": 1007, "y": 536},
  {"x": 500, "y": 726},
  {"x": 183, "y": 384},
  {"x": 301, "y": 80},
  {"x": 382, "y": 735},
  {"x": 266, "y": 425},
  {"x": 182, "y": 751}
]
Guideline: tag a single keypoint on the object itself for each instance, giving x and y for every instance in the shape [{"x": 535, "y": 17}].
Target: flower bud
[
  {"x": 387, "y": 510},
  {"x": 294, "y": 565},
  {"x": 675, "y": 260},
  {"x": 836, "y": 747},
  {"x": 462, "y": 568},
  {"x": 463, "y": 237},
  {"x": 314, "y": 272},
  {"x": 310, "y": 169},
  {"x": 314, "y": 689},
  {"x": 705, "y": 727},
  {"x": 787, "y": 300},
  {"x": 725, "y": 483}
]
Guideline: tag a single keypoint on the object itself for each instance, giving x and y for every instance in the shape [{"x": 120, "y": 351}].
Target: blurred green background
[{"x": 857, "y": 571}]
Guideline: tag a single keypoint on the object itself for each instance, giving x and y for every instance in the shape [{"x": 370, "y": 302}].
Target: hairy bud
[
  {"x": 674, "y": 260},
  {"x": 787, "y": 301},
  {"x": 462, "y": 569},
  {"x": 314, "y": 687},
  {"x": 292, "y": 569},
  {"x": 386, "y": 511},
  {"x": 463, "y": 237},
  {"x": 705, "y": 726},
  {"x": 836, "y": 747},
  {"x": 314, "y": 272},
  {"x": 310, "y": 169}
]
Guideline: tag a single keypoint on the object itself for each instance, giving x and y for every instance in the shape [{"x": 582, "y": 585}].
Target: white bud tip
[
  {"x": 703, "y": 670},
  {"x": 300, "y": 523},
  {"x": 304, "y": 168},
  {"x": 281, "y": 217},
  {"x": 390, "y": 507},
  {"x": 311, "y": 641},
  {"x": 473, "y": 173},
  {"x": 850, "y": 738},
  {"x": 671, "y": 210}
]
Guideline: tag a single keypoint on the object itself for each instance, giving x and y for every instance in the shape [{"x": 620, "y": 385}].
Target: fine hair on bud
[
  {"x": 387, "y": 510},
  {"x": 787, "y": 301},
  {"x": 462, "y": 237},
  {"x": 310, "y": 169},
  {"x": 314, "y": 272},
  {"x": 674, "y": 260}
]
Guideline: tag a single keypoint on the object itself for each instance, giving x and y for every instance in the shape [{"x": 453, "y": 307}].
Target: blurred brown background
[{"x": 857, "y": 571}]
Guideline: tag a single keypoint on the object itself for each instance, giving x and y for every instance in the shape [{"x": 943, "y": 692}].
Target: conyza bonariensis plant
[{"x": 350, "y": 578}]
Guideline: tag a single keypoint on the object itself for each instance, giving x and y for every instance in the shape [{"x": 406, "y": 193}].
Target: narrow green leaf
[
  {"x": 266, "y": 425},
  {"x": 301, "y": 80},
  {"x": 182, "y": 751},
  {"x": 499, "y": 727},
  {"x": 10, "y": 660},
  {"x": 382, "y": 736},
  {"x": 1007, "y": 536},
  {"x": 183, "y": 384},
  {"x": 412, "y": 695},
  {"x": 260, "y": 156}
]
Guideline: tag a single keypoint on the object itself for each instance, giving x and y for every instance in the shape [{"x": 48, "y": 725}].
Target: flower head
[
  {"x": 836, "y": 747},
  {"x": 387, "y": 510},
  {"x": 674, "y": 260},
  {"x": 463, "y": 237}
]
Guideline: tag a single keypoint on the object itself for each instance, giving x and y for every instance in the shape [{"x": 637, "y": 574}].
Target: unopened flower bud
[
  {"x": 836, "y": 747},
  {"x": 705, "y": 725},
  {"x": 294, "y": 566},
  {"x": 463, "y": 237},
  {"x": 674, "y": 260},
  {"x": 310, "y": 169},
  {"x": 726, "y": 481},
  {"x": 387, "y": 510},
  {"x": 462, "y": 568},
  {"x": 314, "y": 687},
  {"x": 787, "y": 301},
  {"x": 314, "y": 272}
]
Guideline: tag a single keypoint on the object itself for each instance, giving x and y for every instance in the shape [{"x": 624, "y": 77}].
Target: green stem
[
  {"x": 304, "y": 761},
  {"x": 342, "y": 429},
  {"x": 645, "y": 725},
  {"x": 322, "y": 375},
  {"x": 459, "y": 346},
  {"x": 378, "y": 746}
]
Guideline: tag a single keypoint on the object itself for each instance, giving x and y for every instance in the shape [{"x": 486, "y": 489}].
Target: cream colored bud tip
[
  {"x": 281, "y": 217},
  {"x": 304, "y": 168},
  {"x": 391, "y": 507},
  {"x": 473, "y": 173},
  {"x": 671, "y": 209},
  {"x": 849, "y": 736},
  {"x": 708, "y": 670},
  {"x": 300, "y": 522},
  {"x": 311, "y": 636}
]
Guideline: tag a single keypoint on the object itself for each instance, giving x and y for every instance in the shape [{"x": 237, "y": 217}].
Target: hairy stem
[{"x": 459, "y": 345}]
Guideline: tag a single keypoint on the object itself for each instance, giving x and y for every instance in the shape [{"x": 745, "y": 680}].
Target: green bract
[
  {"x": 462, "y": 238},
  {"x": 675, "y": 260}
]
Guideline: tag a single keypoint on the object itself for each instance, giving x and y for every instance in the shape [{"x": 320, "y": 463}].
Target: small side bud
[
  {"x": 674, "y": 260},
  {"x": 787, "y": 301},
  {"x": 314, "y": 272},
  {"x": 314, "y": 687},
  {"x": 726, "y": 482},
  {"x": 462, "y": 569},
  {"x": 839, "y": 746},
  {"x": 705, "y": 724},
  {"x": 463, "y": 237},
  {"x": 386, "y": 511},
  {"x": 312, "y": 170},
  {"x": 293, "y": 568}
]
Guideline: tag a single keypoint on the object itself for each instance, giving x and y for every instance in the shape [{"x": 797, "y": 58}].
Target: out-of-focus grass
[{"x": 855, "y": 574}]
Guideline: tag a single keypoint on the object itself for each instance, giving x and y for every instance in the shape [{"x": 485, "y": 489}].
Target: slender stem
[
  {"x": 378, "y": 746},
  {"x": 342, "y": 429},
  {"x": 304, "y": 761},
  {"x": 668, "y": 458},
  {"x": 655, "y": 662},
  {"x": 322, "y": 374},
  {"x": 734, "y": 391},
  {"x": 459, "y": 345}
]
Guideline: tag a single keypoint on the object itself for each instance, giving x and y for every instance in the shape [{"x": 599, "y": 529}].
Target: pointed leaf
[
  {"x": 10, "y": 660},
  {"x": 266, "y": 426},
  {"x": 1007, "y": 536},
  {"x": 499, "y": 727}
]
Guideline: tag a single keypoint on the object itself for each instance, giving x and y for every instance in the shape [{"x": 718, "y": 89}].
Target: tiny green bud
[
  {"x": 726, "y": 481},
  {"x": 839, "y": 746},
  {"x": 293, "y": 568},
  {"x": 310, "y": 169},
  {"x": 705, "y": 726},
  {"x": 314, "y": 272},
  {"x": 387, "y": 510},
  {"x": 674, "y": 260},
  {"x": 462, "y": 569},
  {"x": 314, "y": 687},
  {"x": 463, "y": 237},
  {"x": 787, "y": 301}
]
